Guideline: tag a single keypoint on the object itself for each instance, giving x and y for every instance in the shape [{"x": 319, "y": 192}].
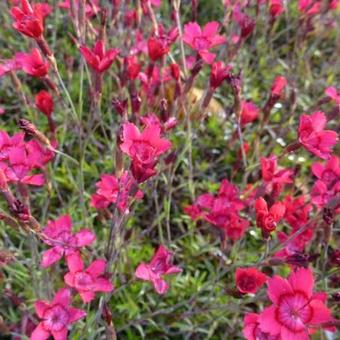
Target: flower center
[
  {"x": 143, "y": 152},
  {"x": 83, "y": 281},
  {"x": 56, "y": 318},
  {"x": 201, "y": 43}
]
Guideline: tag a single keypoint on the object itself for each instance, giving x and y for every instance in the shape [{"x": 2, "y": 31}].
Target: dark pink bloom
[
  {"x": 87, "y": 281},
  {"x": 295, "y": 311},
  {"x": 279, "y": 84},
  {"x": 98, "y": 58},
  {"x": 144, "y": 149},
  {"x": 219, "y": 72},
  {"x": 44, "y": 102},
  {"x": 113, "y": 190},
  {"x": 249, "y": 112},
  {"x": 321, "y": 194},
  {"x": 56, "y": 316},
  {"x": 28, "y": 20},
  {"x": 251, "y": 330},
  {"x": 309, "y": 7},
  {"x": 273, "y": 177},
  {"x": 245, "y": 22},
  {"x": 33, "y": 63},
  {"x": 133, "y": 67},
  {"x": 154, "y": 271},
  {"x": 63, "y": 242},
  {"x": 328, "y": 173},
  {"x": 249, "y": 280},
  {"x": 314, "y": 137},
  {"x": 203, "y": 40},
  {"x": 333, "y": 93},
  {"x": 276, "y": 8},
  {"x": 267, "y": 219},
  {"x": 297, "y": 211}
]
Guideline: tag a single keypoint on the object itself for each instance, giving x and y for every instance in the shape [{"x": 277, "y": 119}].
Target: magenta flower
[
  {"x": 295, "y": 311},
  {"x": 154, "y": 271},
  {"x": 28, "y": 20},
  {"x": 87, "y": 281},
  {"x": 203, "y": 40},
  {"x": 328, "y": 173},
  {"x": 251, "y": 330},
  {"x": 113, "y": 190},
  {"x": 249, "y": 112},
  {"x": 333, "y": 93},
  {"x": 58, "y": 235},
  {"x": 314, "y": 137},
  {"x": 32, "y": 63},
  {"x": 219, "y": 72},
  {"x": 56, "y": 316},
  {"x": 98, "y": 58},
  {"x": 144, "y": 148}
]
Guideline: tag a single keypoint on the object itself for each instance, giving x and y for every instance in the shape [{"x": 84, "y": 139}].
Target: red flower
[
  {"x": 219, "y": 72},
  {"x": 266, "y": 219},
  {"x": 144, "y": 148},
  {"x": 203, "y": 40},
  {"x": 276, "y": 8},
  {"x": 295, "y": 311},
  {"x": 56, "y": 316},
  {"x": 279, "y": 84},
  {"x": 87, "y": 281},
  {"x": 33, "y": 63},
  {"x": 249, "y": 112},
  {"x": 249, "y": 280},
  {"x": 28, "y": 20},
  {"x": 159, "y": 46},
  {"x": 154, "y": 271},
  {"x": 98, "y": 58},
  {"x": 314, "y": 137},
  {"x": 133, "y": 67},
  {"x": 44, "y": 102}
]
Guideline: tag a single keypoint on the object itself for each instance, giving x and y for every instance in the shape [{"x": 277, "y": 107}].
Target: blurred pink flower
[{"x": 154, "y": 271}]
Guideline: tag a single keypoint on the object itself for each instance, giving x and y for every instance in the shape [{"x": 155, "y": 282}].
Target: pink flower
[
  {"x": 314, "y": 137},
  {"x": 44, "y": 102},
  {"x": 56, "y": 316},
  {"x": 245, "y": 22},
  {"x": 144, "y": 148},
  {"x": 28, "y": 20},
  {"x": 154, "y": 271},
  {"x": 98, "y": 58},
  {"x": 159, "y": 46},
  {"x": 87, "y": 281},
  {"x": 297, "y": 211},
  {"x": 58, "y": 235},
  {"x": 249, "y": 112},
  {"x": 333, "y": 93},
  {"x": 328, "y": 173},
  {"x": 9, "y": 65},
  {"x": 276, "y": 8},
  {"x": 132, "y": 66},
  {"x": 249, "y": 280},
  {"x": 219, "y": 72},
  {"x": 295, "y": 311},
  {"x": 33, "y": 63},
  {"x": 113, "y": 190},
  {"x": 203, "y": 40},
  {"x": 309, "y": 7},
  {"x": 267, "y": 219},
  {"x": 279, "y": 84},
  {"x": 251, "y": 330},
  {"x": 321, "y": 194}
]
